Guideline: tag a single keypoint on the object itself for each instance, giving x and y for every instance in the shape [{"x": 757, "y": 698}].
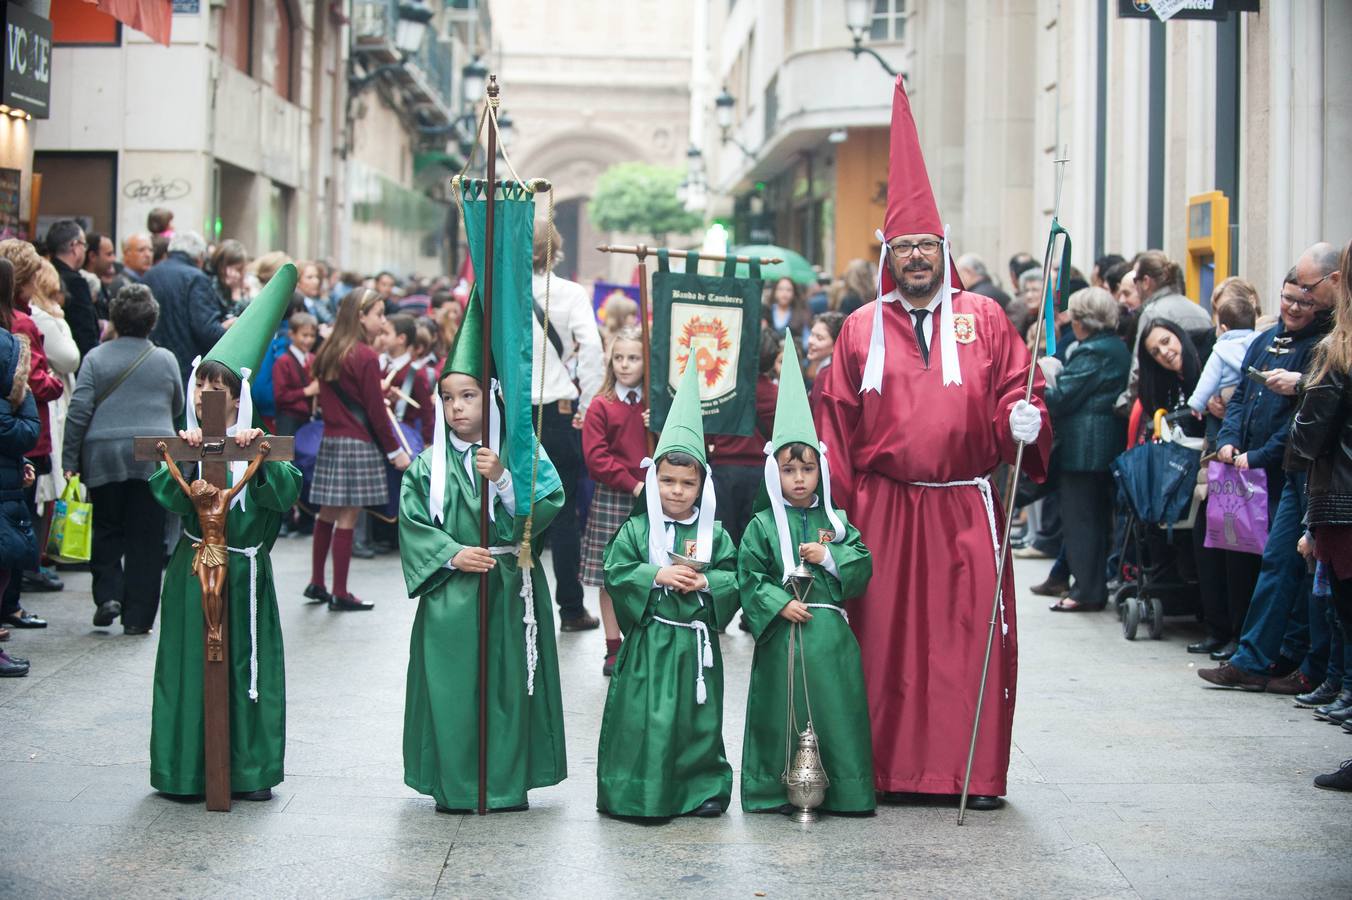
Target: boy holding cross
[{"x": 236, "y": 528}]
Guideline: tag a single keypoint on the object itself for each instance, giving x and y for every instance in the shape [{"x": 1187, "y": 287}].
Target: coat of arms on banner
[
  {"x": 964, "y": 327},
  {"x": 712, "y": 336}
]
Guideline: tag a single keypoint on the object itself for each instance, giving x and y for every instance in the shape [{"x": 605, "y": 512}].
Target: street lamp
[
  {"x": 505, "y": 129},
  {"x": 859, "y": 20},
  {"x": 693, "y": 192},
  {"x": 723, "y": 106},
  {"x": 473, "y": 78},
  {"x": 411, "y": 29},
  {"x": 409, "y": 33}
]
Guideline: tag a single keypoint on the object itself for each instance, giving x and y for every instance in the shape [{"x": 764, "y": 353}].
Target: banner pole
[
  {"x": 644, "y": 314},
  {"x": 642, "y": 250},
  {"x": 485, "y": 385}
]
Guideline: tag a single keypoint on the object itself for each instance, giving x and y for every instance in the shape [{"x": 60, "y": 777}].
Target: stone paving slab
[{"x": 1128, "y": 779}]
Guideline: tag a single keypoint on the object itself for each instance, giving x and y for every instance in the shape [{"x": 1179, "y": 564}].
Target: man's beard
[{"x": 923, "y": 290}]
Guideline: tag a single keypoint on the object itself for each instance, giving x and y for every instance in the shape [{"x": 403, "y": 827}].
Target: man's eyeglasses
[
  {"x": 1308, "y": 289},
  {"x": 1297, "y": 303},
  {"x": 906, "y": 248}
]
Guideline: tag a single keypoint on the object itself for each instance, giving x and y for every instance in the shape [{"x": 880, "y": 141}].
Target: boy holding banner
[{"x": 443, "y": 562}]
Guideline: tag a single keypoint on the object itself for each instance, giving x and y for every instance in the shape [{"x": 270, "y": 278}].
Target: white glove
[{"x": 1025, "y": 422}]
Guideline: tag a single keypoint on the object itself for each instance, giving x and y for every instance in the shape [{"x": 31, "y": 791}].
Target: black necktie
[
  {"x": 919, "y": 316},
  {"x": 631, "y": 398}
]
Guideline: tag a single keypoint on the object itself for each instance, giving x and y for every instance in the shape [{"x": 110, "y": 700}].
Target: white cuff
[
  {"x": 393, "y": 454},
  {"x": 829, "y": 564}
]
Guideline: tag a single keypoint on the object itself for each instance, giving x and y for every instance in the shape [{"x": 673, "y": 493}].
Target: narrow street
[{"x": 1129, "y": 779}]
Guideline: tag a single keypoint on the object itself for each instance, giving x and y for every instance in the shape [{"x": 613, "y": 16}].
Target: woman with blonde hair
[
  {"x": 63, "y": 355},
  {"x": 621, "y": 313}
]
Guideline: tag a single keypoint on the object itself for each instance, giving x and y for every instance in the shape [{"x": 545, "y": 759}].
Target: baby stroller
[{"x": 1156, "y": 484}]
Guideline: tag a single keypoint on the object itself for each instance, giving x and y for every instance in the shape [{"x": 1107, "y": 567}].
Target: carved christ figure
[{"x": 209, "y": 562}]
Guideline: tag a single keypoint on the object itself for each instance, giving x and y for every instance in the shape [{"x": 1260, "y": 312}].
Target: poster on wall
[{"x": 11, "y": 226}]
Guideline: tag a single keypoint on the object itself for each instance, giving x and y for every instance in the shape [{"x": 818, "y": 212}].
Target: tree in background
[{"x": 641, "y": 199}]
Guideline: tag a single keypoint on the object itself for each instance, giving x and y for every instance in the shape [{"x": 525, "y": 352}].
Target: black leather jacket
[{"x": 1321, "y": 435}]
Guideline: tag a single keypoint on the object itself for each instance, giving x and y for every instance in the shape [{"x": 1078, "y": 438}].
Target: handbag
[
  {"x": 72, "y": 532},
  {"x": 1236, "y": 508}
]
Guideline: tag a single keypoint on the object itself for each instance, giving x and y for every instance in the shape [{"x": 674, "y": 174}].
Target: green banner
[
  {"x": 717, "y": 320},
  {"x": 511, "y": 312}
]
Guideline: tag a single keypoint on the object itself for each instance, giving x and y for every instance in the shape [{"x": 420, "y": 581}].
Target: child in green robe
[
  {"x": 800, "y": 523},
  {"x": 670, "y": 574},
  {"x": 442, "y": 563},
  {"x": 257, "y": 675}
]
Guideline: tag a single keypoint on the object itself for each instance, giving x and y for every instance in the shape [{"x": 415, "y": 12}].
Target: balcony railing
[{"x": 427, "y": 77}]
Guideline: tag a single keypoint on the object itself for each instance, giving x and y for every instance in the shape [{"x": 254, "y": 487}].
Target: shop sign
[{"x": 27, "y": 71}]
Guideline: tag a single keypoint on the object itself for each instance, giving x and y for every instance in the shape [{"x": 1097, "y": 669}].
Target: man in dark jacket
[
  {"x": 1257, "y": 421},
  {"x": 191, "y": 321},
  {"x": 66, "y": 243}
]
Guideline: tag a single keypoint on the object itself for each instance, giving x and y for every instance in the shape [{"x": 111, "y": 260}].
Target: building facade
[
  {"x": 1256, "y": 106},
  {"x": 590, "y": 84},
  {"x": 230, "y": 126}
]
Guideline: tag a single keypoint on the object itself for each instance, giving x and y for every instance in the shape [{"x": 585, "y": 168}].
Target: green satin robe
[
  {"x": 831, "y": 653},
  {"x": 661, "y": 751},
  {"x": 441, "y": 707},
  {"x": 257, "y": 729}
]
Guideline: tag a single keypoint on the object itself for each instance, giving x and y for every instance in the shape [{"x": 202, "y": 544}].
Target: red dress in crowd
[
  {"x": 922, "y": 622},
  {"x": 42, "y": 381}
]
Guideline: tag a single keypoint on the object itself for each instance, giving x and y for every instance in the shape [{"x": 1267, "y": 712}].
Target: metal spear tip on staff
[{"x": 1000, "y": 562}]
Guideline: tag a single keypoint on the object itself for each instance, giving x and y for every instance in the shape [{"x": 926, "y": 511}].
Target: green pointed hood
[
  {"x": 684, "y": 428},
  {"x": 793, "y": 415},
  {"x": 466, "y": 356},
  {"x": 246, "y": 342}
]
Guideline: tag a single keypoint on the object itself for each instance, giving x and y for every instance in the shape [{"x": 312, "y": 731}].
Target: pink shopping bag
[{"x": 1236, "y": 508}]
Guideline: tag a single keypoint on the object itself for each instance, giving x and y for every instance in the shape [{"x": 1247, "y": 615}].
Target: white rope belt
[
  {"x": 532, "y": 627},
  {"x": 983, "y": 485},
  {"x": 704, "y": 652},
  {"x": 831, "y": 606},
  {"x": 252, "y": 554}
]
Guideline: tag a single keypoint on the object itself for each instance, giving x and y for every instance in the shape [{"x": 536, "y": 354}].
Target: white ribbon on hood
[
  {"x": 657, "y": 535},
  {"x": 776, "y": 493},
  {"x": 872, "y": 379},
  {"x": 244, "y": 416},
  {"x": 436, "y": 491}
]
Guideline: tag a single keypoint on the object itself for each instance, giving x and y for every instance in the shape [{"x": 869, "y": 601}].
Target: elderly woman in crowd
[
  {"x": 126, "y": 387},
  {"x": 1089, "y": 436}
]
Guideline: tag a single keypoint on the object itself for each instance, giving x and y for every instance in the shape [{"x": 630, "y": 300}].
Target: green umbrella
[{"x": 794, "y": 266}]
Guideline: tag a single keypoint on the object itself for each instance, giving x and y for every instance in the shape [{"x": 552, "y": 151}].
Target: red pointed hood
[{"x": 910, "y": 198}]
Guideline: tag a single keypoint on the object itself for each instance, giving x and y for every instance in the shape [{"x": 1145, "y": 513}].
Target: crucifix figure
[
  {"x": 210, "y": 561},
  {"x": 211, "y": 497}
]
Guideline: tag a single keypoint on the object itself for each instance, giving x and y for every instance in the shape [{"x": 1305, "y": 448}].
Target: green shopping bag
[{"x": 72, "y": 525}]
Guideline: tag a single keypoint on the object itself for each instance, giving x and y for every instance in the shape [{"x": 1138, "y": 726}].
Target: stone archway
[{"x": 573, "y": 160}]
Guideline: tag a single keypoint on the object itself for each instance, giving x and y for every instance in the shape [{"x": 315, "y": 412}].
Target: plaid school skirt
[
  {"x": 348, "y": 472},
  {"x": 609, "y": 509}
]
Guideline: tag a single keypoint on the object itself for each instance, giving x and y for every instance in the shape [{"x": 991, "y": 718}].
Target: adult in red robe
[{"x": 922, "y": 623}]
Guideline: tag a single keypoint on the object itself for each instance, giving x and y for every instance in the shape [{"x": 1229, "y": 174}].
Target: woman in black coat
[{"x": 18, "y": 435}]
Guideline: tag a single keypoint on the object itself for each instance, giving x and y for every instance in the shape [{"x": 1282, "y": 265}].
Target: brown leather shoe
[
  {"x": 584, "y": 622},
  {"x": 1228, "y": 676},
  {"x": 1292, "y": 684},
  {"x": 1051, "y": 588}
]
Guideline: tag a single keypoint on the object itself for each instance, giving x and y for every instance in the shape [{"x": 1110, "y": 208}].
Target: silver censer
[{"x": 805, "y": 778}]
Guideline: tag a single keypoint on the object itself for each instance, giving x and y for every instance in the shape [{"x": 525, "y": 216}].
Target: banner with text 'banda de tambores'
[{"x": 716, "y": 321}]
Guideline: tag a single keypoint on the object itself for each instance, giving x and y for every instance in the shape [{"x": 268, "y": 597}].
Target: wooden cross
[{"x": 216, "y": 452}]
